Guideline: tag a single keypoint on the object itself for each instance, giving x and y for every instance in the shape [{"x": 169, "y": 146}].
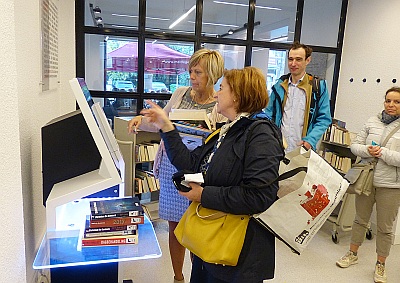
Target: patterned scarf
[
  {"x": 224, "y": 130},
  {"x": 387, "y": 119}
]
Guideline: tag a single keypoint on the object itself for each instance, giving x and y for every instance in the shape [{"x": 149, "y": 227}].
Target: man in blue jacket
[{"x": 301, "y": 110}]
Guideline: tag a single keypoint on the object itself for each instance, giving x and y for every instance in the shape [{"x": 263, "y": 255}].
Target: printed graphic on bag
[{"x": 317, "y": 200}]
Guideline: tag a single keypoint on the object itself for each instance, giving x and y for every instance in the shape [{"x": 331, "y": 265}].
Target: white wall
[
  {"x": 12, "y": 248},
  {"x": 25, "y": 110},
  {"x": 371, "y": 49}
]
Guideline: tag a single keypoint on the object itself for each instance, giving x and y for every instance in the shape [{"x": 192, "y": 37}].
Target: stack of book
[
  {"x": 337, "y": 133},
  {"x": 113, "y": 222},
  {"x": 195, "y": 118},
  {"x": 145, "y": 182},
  {"x": 342, "y": 163},
  {"x": 145, "y": 152},
  {"x": 194, "y": 126}
]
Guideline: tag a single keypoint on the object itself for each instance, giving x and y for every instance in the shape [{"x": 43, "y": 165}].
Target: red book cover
[
  {"x": 116, "y": 221},
  {"x": 110, "y": 241},
  {"x": 109, "y": 231}
]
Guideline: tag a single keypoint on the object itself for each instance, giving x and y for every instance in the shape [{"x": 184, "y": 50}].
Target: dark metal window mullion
[
  {"x": 141, "y": 54},
  {"x": 338, "y": 57},
  {"x": 198, "y": 24},
  {"x": 299, "y": 20},
  {"x": 250, "y": 32},
  {"x": 79, "y": 40}
]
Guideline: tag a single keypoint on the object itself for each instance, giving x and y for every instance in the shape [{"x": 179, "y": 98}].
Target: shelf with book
[
  {"x": 139, "y": 151},
  {"x": 335, "y": 146}
]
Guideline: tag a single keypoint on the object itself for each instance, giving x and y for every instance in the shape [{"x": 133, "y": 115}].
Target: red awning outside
[{"x": 159, "y": 59}]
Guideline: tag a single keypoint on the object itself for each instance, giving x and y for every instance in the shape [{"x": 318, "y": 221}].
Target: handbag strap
[
  {"x": 217, "y": 214},
  {"x": 390, "y": 135}
]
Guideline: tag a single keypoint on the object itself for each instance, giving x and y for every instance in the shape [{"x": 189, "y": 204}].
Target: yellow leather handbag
[{"x": 214, "y": 236}]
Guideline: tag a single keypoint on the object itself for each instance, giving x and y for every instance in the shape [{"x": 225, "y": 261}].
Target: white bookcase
[{"x": 127, "y": 143}]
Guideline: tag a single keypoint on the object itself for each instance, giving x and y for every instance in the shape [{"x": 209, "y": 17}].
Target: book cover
[
  {"x": 191, "y": 141},
  {"x": 110, "y": 241},
  {"x": 121, "y": 207},
  {"x": 109, "y": 231},
  {"x": 116, "y": 221},
  {"x": 192, "y": 130},
  {"x": 193, "y": 116}
]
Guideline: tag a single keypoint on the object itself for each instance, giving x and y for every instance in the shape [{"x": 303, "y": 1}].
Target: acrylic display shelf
[{"x": 62, "y": 248}]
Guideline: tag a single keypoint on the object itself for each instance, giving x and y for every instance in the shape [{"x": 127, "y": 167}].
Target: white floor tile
[{"x": 316, "y": 264}]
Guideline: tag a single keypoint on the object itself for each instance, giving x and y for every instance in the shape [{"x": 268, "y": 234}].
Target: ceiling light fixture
[
  {"x": 279, "y": 38},
  {"x": 124, "y": 26},
  {"x": 133, "y": 16},
  {"x": 182, "y": 17},
  {"x": 99, "y": 21},
  {"x": 246, "y": 5},
  {"x": 97, "y": 10},
  {"x": 215, "y": 24},
  {"x": 232, "y": 31}
]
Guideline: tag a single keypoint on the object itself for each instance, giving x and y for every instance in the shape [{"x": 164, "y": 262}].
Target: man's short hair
[{"x": 297, "y": 45}]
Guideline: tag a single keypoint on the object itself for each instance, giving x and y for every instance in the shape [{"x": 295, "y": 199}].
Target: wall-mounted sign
[{"x": 49, "y": 41}]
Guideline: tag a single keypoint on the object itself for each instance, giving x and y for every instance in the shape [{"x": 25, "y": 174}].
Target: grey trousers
[{"x": 387, "y": 206}]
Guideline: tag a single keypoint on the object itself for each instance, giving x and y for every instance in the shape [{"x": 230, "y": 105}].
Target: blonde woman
[{"x": 205, "y": 68}]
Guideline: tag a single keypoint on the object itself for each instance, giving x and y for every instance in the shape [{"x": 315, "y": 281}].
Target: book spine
[
  {"x": 108, "y": 234},
  {"x": 111, "y": 229},
  {"x": 192, "y": 130},
  {"x": 117, "y": 214},
  {"x": 110, "y": 241},
  {"x": 117, "y": 221}
]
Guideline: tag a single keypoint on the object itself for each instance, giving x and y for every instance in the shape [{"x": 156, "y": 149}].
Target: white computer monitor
[{"x": 110, "y": 167}]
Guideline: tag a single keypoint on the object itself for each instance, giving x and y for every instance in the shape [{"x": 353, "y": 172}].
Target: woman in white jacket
[{"x": 386, "y": 191}]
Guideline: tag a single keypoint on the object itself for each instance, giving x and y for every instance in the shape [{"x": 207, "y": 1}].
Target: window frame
[{"x": 141, "y": 34}]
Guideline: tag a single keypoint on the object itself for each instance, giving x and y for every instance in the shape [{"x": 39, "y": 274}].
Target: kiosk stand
[{"x": 80, "y": 158}]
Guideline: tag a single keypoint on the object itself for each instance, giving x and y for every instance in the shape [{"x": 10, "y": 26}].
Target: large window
[
  {"x": 132, "y": 50},
  {"x": 272, "y": 62},
  {"x": 275, "y": 20}
]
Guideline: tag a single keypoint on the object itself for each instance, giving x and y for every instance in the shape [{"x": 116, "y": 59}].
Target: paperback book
[
  {"x": 116, "y": 221},
  {"x": 197, "y": 117},
  {"x": 121, "y": 207},
  {"x": 108, "y": 231},
  {"x": 187, "y": 128},
  {"x": 110, "y": 241}
]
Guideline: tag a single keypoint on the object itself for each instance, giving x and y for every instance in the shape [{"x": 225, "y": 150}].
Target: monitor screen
[
  {"x": 85, "y": 91},
  {"x": 104, "y": 126},
  {"x": 80, "y": 155}
]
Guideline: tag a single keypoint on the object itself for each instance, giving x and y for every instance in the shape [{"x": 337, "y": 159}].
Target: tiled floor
[{"x": 316, "y": 264}]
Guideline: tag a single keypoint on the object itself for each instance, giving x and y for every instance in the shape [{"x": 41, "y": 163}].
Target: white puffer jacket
[{"x": 387, "y": 171}]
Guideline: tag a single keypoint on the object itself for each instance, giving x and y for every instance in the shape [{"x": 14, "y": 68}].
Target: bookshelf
[
  {"x": 138, "y": 151},
  {"x": 335, "y": 146}
]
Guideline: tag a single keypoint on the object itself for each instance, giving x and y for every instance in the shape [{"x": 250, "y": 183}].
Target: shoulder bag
[
  {"x": 212, "y": 235},
  {"x": 361, "y": 175}
]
